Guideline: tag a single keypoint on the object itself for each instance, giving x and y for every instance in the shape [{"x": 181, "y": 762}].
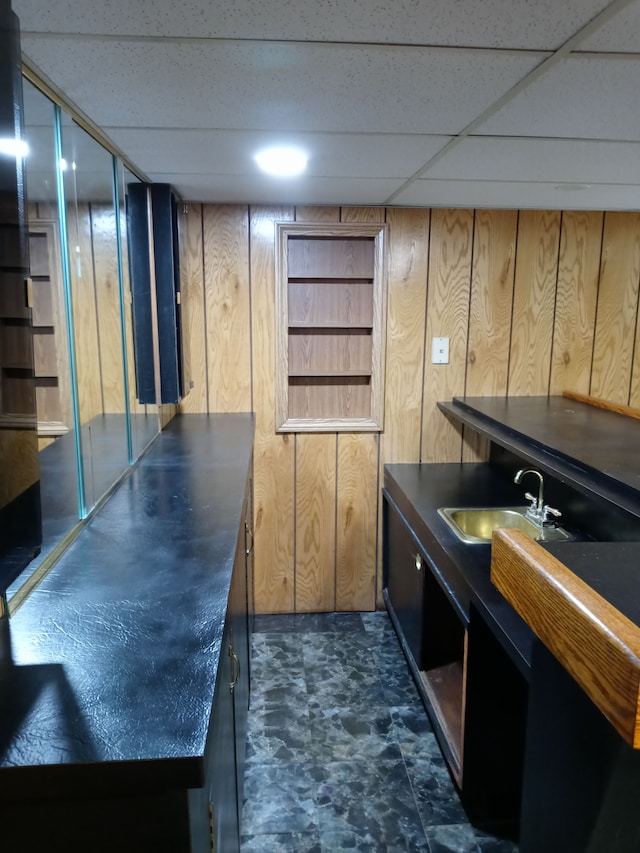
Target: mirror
[
  {"x": 90, "y": 425},
  {"x": 95, "y": 298},
  {"x": 144, "y": 418},
  {"x": 56, "y": 428}
]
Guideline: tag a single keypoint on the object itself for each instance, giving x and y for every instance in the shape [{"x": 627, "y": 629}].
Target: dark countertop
[
  {"x": 114, "y": 657},
  {"x": 597, "y": 451},
  {"x": 610, "y": 568}
]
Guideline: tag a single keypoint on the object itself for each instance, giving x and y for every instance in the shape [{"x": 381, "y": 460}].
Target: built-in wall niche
[
  {"x": 52, "y": 379},
  {"x": 330, "y": 302}
]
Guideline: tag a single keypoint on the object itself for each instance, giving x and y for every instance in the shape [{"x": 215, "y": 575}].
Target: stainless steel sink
[{"x": 476, "y": 524}]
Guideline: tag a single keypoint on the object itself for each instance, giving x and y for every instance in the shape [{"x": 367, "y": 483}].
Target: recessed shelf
[{"x": 331, "y": 287}]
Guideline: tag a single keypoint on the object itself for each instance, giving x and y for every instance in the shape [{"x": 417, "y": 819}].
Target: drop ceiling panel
[
  {"x": 513, "y": 159},
  {"x": 588, "y": 96},
  {"x": 509, "y": 194},
  {"x": 276, "y": 86},
  {"x": 261, "y": 190},
  {"x": 231, "y": 152},
  {"x": 621, "y": 33},
  {"x": 490, "y": 23}
]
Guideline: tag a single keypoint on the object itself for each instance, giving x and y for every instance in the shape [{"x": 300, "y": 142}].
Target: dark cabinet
[
  {"x": 152, "y": 222},
  {"x": 20, "y": 526},
  {"x": 404, "y": 579},
  {"x": 228, "y": 734},
  {"x": 475, "y": 696}
]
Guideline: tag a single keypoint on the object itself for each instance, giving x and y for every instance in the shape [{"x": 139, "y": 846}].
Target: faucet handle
[
  {"x": 549, "y": 510},
  {"x": 534, "y": 500}
]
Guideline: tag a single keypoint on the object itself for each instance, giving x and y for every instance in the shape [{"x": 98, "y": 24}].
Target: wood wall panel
[
  {"x": 194, "y": 330},
  {"x": 274, "y": 463},
  {"x": 579, "y": 263},
  {"x": 315, "y": 523},
  {"x": 447, "y": 316},
  {"x": 505, "y": 287},
  {"x": 356, "y": 521},
  {"x": 85, "y": 320},
  {"x": 494, "y": 249},
  {"x": 227, "y": 297},
  {"x": 617, "y": 304},
  {"x": 317, "y": 214},
  {"x": 408, "y": 258},
  {"x": 362, "y": 214},
  {"x": 107, "y": 287},
  {"x": 534, "y": 302}
]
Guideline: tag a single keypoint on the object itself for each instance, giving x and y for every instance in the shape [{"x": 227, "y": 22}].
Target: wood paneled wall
[{"x": 533, "y": 302}]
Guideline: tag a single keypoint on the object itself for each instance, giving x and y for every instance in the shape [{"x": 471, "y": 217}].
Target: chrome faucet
[{"x": 538, "y": 512}]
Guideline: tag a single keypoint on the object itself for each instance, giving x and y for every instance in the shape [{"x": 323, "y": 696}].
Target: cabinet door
[
  {"x": 404, "y": 574},
  {"x": 221, "y": 760},
  {"x": 239, "y": 658}
]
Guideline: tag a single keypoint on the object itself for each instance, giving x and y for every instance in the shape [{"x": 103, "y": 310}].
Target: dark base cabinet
[
  {"x": 592, "y": 804},
  {"x": 475, "y": 696}
]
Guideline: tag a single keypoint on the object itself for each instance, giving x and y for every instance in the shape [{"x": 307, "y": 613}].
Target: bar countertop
[{"x": 108, "y": 669}]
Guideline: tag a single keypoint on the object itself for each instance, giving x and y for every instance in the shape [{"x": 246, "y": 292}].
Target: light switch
[{"x": 440, "y": 351}]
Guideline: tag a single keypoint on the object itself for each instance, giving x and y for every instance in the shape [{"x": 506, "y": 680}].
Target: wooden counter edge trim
[
  {"x": 597, "y": 645},
  {"x": 602, "y": 404}
]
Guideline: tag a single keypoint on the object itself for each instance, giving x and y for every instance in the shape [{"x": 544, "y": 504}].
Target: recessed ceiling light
[
  {"x": 282, "y": 162},
  {"x": 13, "y": 147}
]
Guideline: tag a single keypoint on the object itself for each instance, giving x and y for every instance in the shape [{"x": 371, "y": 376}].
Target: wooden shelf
[
  {"x": 444, "y": 685},
  {"x": 331, "y": 286}
]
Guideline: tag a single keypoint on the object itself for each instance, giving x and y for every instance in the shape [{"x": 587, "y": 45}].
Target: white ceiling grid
[{"x": 417, "y": 102}]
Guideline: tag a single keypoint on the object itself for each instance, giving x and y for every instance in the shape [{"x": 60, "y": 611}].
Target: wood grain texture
[
  {"x": 628, "y": 411},
  {"x": 634, "y": 396},
  {"x": 315, "y": 523},
  {"x": 317, "y": 213},
  {"x": 408, "y": 258},
  {"x": 356, "y": 533},
  {"x": 363, "y": 215},
  {"x": 227, "y": 297},
  {"x": 274, "y": 482},
  {"x": 491, "y": 302},
  {"x": 579, "y": 262},
  {"x": 85, "y": 318},
  {"x": 617, "y": 304},
  {"x": 107, "y": 285},
  {"x": 492, "y": 281},
  {"x": 594, "y": 642},
  {"x": 449, "y": 292},
  {"x": 193, "y": 311},
  {"x": 534, "y": 301}
]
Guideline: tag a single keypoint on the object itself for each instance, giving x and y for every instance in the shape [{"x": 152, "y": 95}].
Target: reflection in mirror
[
  {"x": 144, "y": 418},
  {"x": 54, "y": 406},
  {"x": 95, "y": 297}
]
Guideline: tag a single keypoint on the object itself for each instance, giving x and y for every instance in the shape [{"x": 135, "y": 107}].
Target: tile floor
[{"x": 340, "y": 753}]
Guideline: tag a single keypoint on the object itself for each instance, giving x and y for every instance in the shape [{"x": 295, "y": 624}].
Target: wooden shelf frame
[{"x": 357, "y": 409}]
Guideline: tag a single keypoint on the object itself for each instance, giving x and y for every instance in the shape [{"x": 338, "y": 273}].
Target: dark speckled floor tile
[
  {"x": 373, "y": 800},
  {"x": 463, "y": 838},
  {"x": 279, "y": 798},
  {"x": 282, "y": 842},
  {"x": 340, "y": 751}
]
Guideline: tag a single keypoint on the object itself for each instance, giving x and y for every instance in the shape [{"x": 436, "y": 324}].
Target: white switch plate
[{"x": 440, "y": 351}]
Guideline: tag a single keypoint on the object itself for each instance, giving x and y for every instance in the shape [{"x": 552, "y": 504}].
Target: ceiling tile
[
  {"x": 560, "y": 160},
  {"x": 621, "y": 33},
  {"x": 588, "y": 96},
  {"x": 470, "y": 23},
  {"x": 271, "y": 86},
  {"x": 231, "y": 152},
  {"x": 509, "y": 194},
  {"x": 262, "y": 190}
]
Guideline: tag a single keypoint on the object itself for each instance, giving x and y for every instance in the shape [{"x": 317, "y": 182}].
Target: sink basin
[{"x": 476, "y": 524}]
